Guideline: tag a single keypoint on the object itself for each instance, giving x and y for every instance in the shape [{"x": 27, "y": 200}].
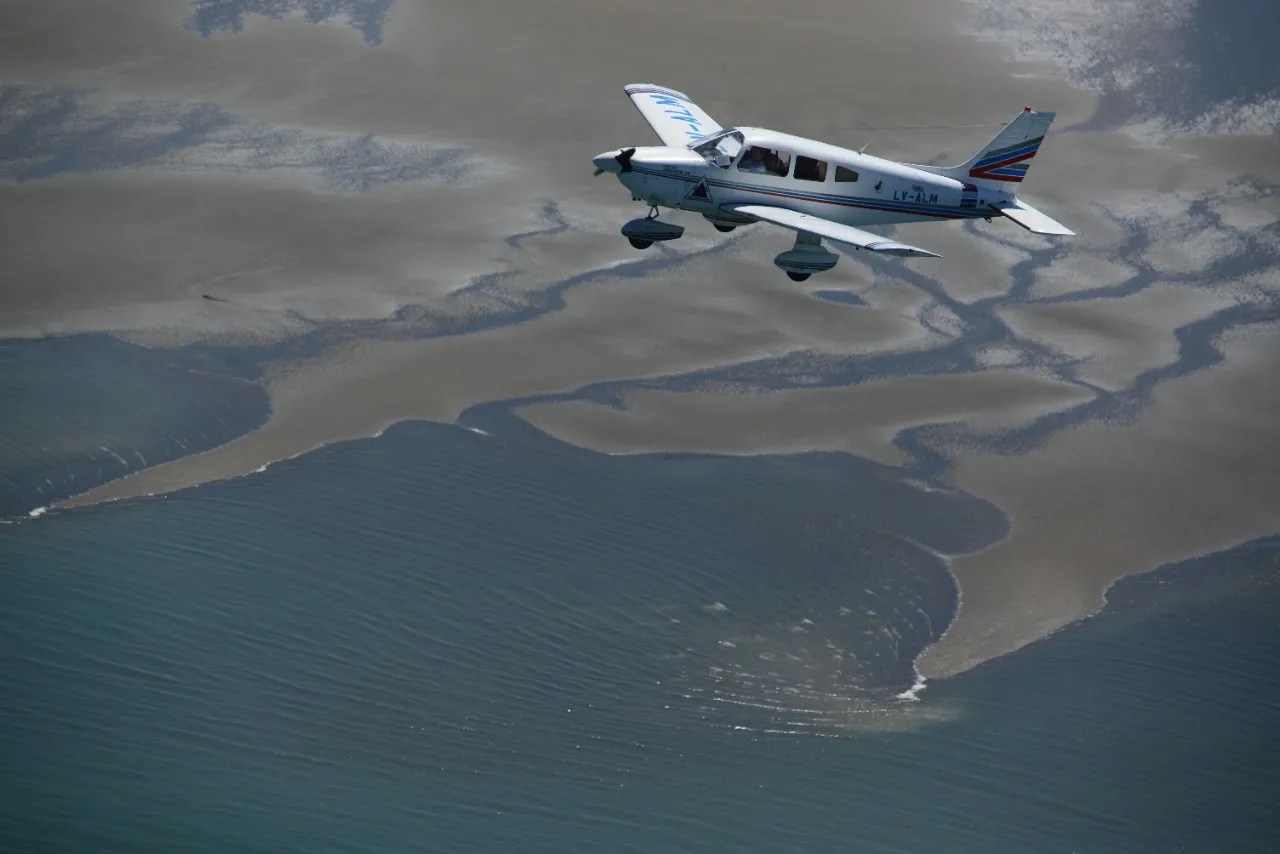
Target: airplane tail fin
[
  {"x": 1005, "y": 160},
  {"x": 1001, "y": 165}
]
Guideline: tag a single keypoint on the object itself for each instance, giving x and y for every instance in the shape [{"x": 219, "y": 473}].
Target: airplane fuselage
[{"x": 854, "y": 189}]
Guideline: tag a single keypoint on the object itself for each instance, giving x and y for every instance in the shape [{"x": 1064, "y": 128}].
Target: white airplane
[{"x": 737, "y": 176}]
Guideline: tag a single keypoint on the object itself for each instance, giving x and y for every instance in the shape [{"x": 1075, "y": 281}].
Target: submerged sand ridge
[{"x": 290, "y": 173}]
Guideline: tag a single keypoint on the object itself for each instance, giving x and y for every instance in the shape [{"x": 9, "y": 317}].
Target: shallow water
[
  {"x": 441, "y": 639},
  {"x": 76, "y": 412}
]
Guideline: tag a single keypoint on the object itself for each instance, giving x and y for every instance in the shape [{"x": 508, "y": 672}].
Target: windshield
[{"x": 721, "y": 148}]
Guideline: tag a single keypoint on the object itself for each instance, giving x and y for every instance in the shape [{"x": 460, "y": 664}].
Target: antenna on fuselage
[{"x": 864, "y": 146}]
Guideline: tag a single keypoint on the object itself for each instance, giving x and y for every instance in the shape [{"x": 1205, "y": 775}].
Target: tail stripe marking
[
  {"x": 1009, "y": 152},
  {"x": 1008, "y": 163}
]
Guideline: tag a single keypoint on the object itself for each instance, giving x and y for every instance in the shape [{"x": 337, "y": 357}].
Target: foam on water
[{"x": 913, "y": 693}]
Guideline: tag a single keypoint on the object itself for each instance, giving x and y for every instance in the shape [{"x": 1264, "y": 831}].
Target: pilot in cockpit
[{"x": 753, "y": 161}]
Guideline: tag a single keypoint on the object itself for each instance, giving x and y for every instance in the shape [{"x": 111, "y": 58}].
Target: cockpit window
[
  {"x": 766, "y": 161},
  {"x": 721, "y": 148}
]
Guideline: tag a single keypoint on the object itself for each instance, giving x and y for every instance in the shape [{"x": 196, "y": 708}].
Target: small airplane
[{"x": 737, "y": 176}]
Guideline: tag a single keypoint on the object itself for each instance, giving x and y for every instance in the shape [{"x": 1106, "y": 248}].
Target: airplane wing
[
  {"x": 831, "y": 230},
  {"x": 673, "y": 116}
]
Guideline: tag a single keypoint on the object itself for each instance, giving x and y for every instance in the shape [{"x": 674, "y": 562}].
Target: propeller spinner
[{"x": 605, "y": 162}]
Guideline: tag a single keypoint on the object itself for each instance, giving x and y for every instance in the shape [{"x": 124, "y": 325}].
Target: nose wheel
[{"x": 639, "y": 244}]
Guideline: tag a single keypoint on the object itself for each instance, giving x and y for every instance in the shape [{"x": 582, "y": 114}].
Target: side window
[
  {"x": 766, "y": 161},
  {"x": 844, "y": 173},
  {"x": 808, "y": 169}
]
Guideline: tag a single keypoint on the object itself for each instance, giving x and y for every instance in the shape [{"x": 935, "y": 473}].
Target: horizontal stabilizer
[
  {"x": 796, "y": 221},
  {"x": 1032, "y": 220}
]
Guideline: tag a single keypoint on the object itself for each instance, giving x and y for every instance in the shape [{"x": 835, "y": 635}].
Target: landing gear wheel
[
  {"x": 795, "y": 277},
  {"x": 643, "y": 244},
  {"x": 725, "y": 228}
]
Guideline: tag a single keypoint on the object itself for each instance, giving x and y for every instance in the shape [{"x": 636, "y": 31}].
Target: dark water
[{"x": 441, "y": 640}]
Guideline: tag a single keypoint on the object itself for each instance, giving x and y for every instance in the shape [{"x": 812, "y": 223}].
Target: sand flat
[
  {"x": 83, "y": 250},
  {"x": 1199, "y": 471},
  {"x": 1117, "y": 340},
  {"x": 715, "y": 315},
  {"x": 861, "y": 419}
]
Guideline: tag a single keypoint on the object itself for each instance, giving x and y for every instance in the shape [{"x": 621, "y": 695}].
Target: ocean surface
[{"x": 477, "y": 638}]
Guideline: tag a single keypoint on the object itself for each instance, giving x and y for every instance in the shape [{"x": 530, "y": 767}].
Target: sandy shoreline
[{"x": 337, "y": 210}]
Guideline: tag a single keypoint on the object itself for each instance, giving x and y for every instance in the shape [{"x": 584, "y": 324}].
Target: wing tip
[
  {"x": 902, "y": 250},
  {"x": 641, "y": 88}
]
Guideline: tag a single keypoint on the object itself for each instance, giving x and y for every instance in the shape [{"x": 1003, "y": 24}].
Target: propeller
[{"x": 624, "y": 158}]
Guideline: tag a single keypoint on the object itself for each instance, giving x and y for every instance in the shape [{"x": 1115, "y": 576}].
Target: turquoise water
[{"x": 442, "y": 640}]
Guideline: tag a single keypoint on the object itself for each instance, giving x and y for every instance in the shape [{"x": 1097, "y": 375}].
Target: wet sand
[
  {"x": 613, "y": 329},
  {"x": 527, "y": 127},
  {"x": 862, "y": 419},
  {"x": 1116, "y": 341},
  {"x": 1197, "y": 473},
  {"x": 290, "y": 213}
]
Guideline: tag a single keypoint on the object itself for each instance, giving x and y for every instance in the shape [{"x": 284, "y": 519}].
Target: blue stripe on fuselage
[{"x": 936, "y": 211}]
